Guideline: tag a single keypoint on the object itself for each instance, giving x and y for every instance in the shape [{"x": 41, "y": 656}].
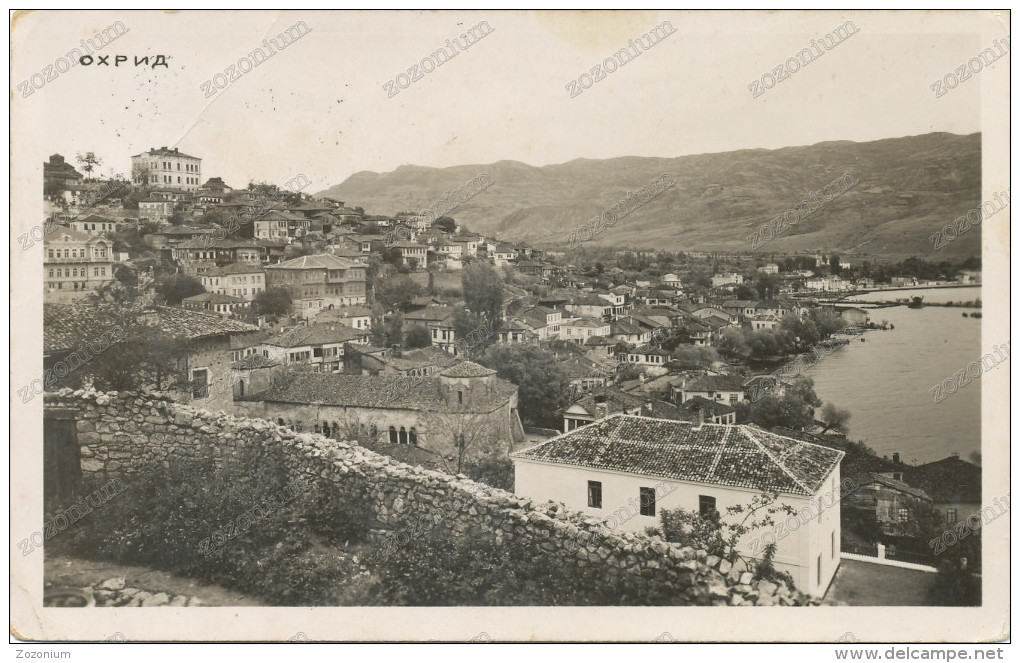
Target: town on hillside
[{"x": 662, "y": 395}]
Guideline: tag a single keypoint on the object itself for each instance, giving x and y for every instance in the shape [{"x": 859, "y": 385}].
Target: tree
[
  {"x": 484, "y": 292},
  {"x": 397, "y": 292},
  {"x": 445, "y": 223},
  {"x": 542, "y": 385},
  {"x": 767, "y": 285},
  {"x": 459, "y": 436},
  {"x": 89, "y": 162},
  {"x": 720, "y": 535},
  {"x": 393, "y": 330},
  {"x": 418, "y": 337},
  {"x": 835, "y": 418},
  {"x": 795, "y": 409},
  {"x": 178, "y": 287},
  {"x": 466, "y": 325},
  {"x": 272, "y": 301},
  {"x": 834, "y": 266}
]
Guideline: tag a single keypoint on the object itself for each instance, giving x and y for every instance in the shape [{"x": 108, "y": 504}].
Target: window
[
  {"x": 706, "y": 506},
  {"x": 460, "y": 397},
  {"x": 413, "y": 436},
  {"x": 904, "y": 515},
  {"x": 647, "y": 496},
  {"x": 950, "y": 516},
  {"x": 595, "y": 494},
  {"x": 200, "y": 383},
  {"x": 393, "y": 435},
  {"x": 403, "y": 435}
]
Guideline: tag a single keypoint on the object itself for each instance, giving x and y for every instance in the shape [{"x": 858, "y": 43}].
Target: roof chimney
[
  {"x": 896, "y": 458},
  {"x": 701, "y": 419}
]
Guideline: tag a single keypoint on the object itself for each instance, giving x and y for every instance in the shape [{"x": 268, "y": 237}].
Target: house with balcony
[{"x": 320, "y": 345}]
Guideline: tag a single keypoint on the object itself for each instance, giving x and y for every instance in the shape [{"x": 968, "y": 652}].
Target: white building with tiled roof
[
  {"x": 627, "y": 469},
  {"x": 167, "y": 168}
]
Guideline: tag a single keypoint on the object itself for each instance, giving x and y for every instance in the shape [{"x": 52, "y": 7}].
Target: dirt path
[{"x": 67, "y": 571}]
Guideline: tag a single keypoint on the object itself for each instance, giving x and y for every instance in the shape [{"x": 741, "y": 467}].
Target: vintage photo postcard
[{"x": 511, "y": 326}]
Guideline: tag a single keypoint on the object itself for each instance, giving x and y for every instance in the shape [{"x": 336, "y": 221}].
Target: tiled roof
[
  {"x": 726, "y": 455},
  {"x": 214, "y": 298},
  {"x": 235, "y": 268},
  {"x": 948, "y": 480},
  {"x": 615, "y": 399},
  {"x": 716, "y": 383},
  {"x": 435, "y": 314},
  {"x": 67, "y": 326},
  {"x": 226, "y": 243},
  {"x": 196, "y": 324},
  {"x": 874, "y": 477},
  {"x": 164, "y": 152},
  {"x": 314, "y": 334},
  {"x": 369, "y": 391},
  {"x": 623, "y": 327},
  {"x": 714, "y": 408},
  {"x": 466, "y": 369},
  {"x": 320, "y": 261}
]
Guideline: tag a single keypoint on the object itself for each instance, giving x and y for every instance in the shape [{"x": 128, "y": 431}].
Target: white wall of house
[{"x": 797, "y": 552}]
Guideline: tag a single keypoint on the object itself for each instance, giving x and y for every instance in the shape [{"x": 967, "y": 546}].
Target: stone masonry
[{"x": 120, "y": 433}]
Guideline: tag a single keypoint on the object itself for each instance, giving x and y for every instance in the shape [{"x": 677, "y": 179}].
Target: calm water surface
[{"x": 885, "y": 381}]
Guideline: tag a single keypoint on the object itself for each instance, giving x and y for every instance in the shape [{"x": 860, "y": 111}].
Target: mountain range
[{"x": 907, "y": 189}]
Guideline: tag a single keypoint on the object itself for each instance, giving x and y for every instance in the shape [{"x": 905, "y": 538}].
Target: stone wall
[{"x": 121, "y": 433}]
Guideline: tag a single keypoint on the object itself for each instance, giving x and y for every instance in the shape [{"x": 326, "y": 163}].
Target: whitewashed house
[{"x": 626, "y": 469}]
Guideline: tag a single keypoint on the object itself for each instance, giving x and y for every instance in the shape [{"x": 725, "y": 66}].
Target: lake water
[{"x": 885, "y": 381}]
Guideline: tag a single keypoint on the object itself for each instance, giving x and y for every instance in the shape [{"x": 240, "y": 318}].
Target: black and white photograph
[{"x": 496, "y": 326}]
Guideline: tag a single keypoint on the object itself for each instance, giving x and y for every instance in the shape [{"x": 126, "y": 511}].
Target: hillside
[{"x": 908, "y": 188}]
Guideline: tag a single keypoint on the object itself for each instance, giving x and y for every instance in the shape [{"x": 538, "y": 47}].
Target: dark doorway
[{"x": 61, "y": 457}]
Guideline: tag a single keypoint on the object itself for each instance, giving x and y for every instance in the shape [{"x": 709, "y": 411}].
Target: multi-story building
[
  {"x": 319, "y": 282},
  {"x": 166, "y": 168},
  {"x": 410, "y": 251},
  {"x": 159, "y": 211},
  {"x": 280, "y": 224},
  {"x": 75, "y": 264},
  {"x": 237, "y": 280}
]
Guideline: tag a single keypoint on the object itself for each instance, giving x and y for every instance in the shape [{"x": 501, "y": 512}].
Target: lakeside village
[{"x": 650, "y": 391}]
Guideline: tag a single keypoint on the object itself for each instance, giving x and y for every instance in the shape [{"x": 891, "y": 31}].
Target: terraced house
[
  {"x": 626, "y": 469},
  {"x": 319, "y": 282}
]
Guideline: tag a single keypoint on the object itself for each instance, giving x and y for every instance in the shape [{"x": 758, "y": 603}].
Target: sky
[{"x": 321, "y": 106}]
